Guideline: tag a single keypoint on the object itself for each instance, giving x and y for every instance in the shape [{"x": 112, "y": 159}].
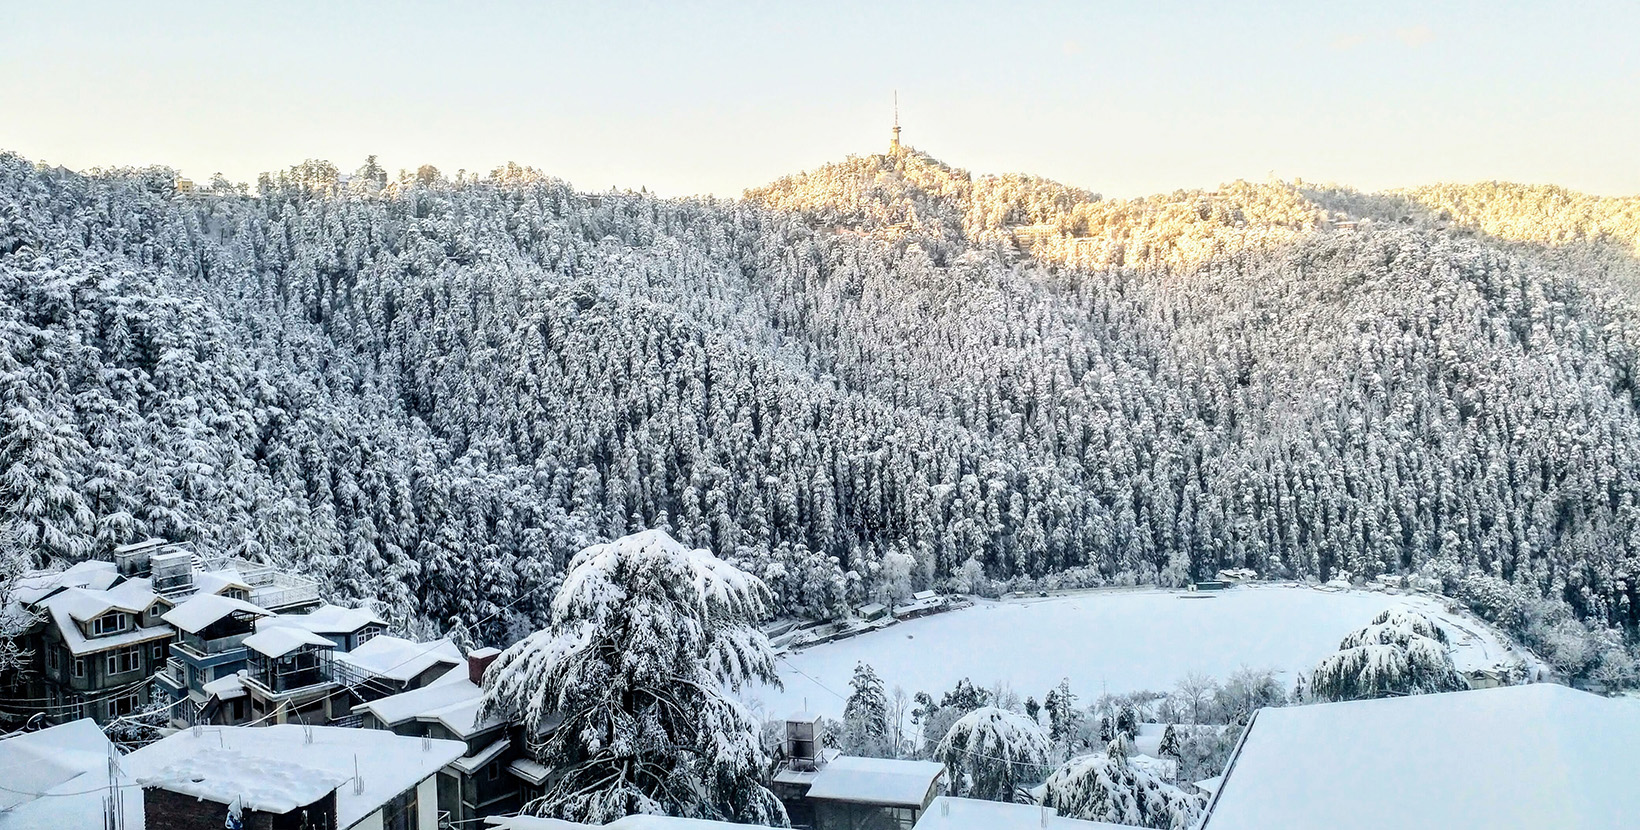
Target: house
[
  {"x": 288, "y": 677},
  {"x": 179, "y": 572},
  {"x": 60, "y": 777},
  {"x": 389, "y": 665},
  {"x": 825, "y": 790},
  {"x": 347, "y": 628},
  {"x": 94, "y": 639},
  {"x": 950, "y": 813},
  {"x": 1531, "y": 756},
  {"x": 291, "y": 776},
  {"x": 211, "y": 630},
  {"x": 920, "y": 604},
  {"x": 872, "y": 612},
  {"x": 493, "y": 775}
]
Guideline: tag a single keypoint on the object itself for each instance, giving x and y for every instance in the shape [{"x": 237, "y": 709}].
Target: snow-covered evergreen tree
[
  {"x": 1401, "y": 652},
  {"x": 635, "y": 676},
  {"x": 14, "y": 619},
  {"x": 1106, "y": 787},
  {"x": 990, "y": 753},
  {"x": 866, "y": 731}
]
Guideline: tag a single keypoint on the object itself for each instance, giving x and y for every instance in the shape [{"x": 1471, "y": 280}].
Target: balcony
[
  {"x": 201, "y": 648},
  {"x": 173, "y": 674},
  {"x": 271, "y": 588},
  {"x": 289, "y": 674}
]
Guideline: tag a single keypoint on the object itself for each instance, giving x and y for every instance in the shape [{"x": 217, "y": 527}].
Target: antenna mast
[{"x": 894, "y": 146}]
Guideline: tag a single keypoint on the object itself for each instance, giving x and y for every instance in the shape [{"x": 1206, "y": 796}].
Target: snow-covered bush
[
  {"x": 990, "y": 752},
  {"x": 636, "y": 676}
]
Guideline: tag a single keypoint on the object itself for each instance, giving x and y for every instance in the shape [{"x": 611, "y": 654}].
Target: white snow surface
[
  {"x": 276, "y": 768},
  {"x": 399, "y": 659},
  {"x": 949, "y": 813},
  {"x": 327, "y": 619},
  {"x": 637, "y": 822},
  {"x": 875, "y": 781},
  {"x": 57, "y": 777},
  {"x": 200, "y": 610},
  {"x": 1113, "y": 640},
  {"x": 36, "y": 761},
  {"x": 1526, "y": 757},
  {"x": 282, "y": 640}
]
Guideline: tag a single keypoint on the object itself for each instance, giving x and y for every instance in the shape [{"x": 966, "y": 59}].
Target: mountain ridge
[{"x": 428, "y": 392}]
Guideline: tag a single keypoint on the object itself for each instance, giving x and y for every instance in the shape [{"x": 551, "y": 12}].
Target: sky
[{"x": 1123, "y": 98}]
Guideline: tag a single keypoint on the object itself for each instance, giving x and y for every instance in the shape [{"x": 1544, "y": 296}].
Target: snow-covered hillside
[{"x": 1115, "y": 641}]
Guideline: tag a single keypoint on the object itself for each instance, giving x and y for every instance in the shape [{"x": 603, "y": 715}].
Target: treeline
[{"x": 428, "y": 391}]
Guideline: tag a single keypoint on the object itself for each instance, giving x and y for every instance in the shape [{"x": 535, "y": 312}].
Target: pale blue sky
[{"x": 1124, "y": 98}]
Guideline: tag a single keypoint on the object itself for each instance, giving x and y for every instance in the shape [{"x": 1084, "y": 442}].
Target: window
[
  {"x": 493, "y": 771},
  {"x": 79, "y": 667},
  {"x": 159, "y": 653},
  {"x": 122, "y": 705},
  {"x": 903, "y": 817},
  {"x": 110, "y": 623},
  {"x": 368, "y": 634},
  {"x": 53, "y": 659},
  {"x": 122, "y": 660},
  {"x": 400, "y": 813}
]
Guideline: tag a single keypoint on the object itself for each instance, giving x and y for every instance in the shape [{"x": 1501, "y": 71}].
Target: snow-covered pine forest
[{"x": 431, "y": 390}]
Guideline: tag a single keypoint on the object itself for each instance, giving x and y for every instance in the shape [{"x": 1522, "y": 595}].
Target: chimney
[{"x": 478, "y": 660}]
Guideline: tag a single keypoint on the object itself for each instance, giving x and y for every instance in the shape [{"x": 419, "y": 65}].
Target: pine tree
[
  {"x": 1401, "y": 652},
  {"x": 865, "y": 717},
  {"x": 1106, "y": 787},
  {"x": 989, "y": 753},
  {"x": 647, "y": 644}
]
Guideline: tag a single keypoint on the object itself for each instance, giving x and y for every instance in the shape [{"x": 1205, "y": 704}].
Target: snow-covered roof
[
  {"x": 67, "y": 766},
  {"x": 399, "y": 659},
  {"x": 86, "y": 604},
  {"x": 225, "y": 688},
  {"x": 1166, "y": 769},
  {"x": 200, "y": 610},
  {"x": 470, "y": 764},
  {"x": 461, "y": 717},
  {"x": 452, "y": 701},
  {"x": 215, "y": 582},
  {"x": 634, "y": 822},
  {"x": 1210, "y": 785},
  {"x": 36, "y": 761},
  {"x": 948, "y": 813},
  {"x": 327, "y": 619},
  {"x": 529, "y": 770},
  {"x": 921, "y": 596},
  {"x": 533, "y": 823},
  {"x": 79, "y": 644},
  {"x": 93, "y": 574},
  {"x": 1511, "y": 757},
  {"x": 276, "y": 768},
  {"x": 282, "y": 640},
  {"x": 396, "y": 709},
  {"x": 875, "y": 781}
]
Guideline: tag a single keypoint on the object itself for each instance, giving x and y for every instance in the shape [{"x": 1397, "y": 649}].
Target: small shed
[
  {"x": 851, "y": 792},
  {"x": 873, "y": 612}
]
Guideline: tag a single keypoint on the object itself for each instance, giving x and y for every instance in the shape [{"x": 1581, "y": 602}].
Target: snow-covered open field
[{"x": 1118, "y": 641}]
